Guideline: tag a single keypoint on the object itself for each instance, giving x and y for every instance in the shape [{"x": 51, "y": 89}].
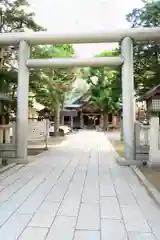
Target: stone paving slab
[
  {"x": 106, "y": 186},
  {"x": 76, "y": 191},
  {"x": 45, "y": 215},
  {"x": 134, "y": 219},
  {"x": 32, "y": 233},
  {"x": 141, "y": 236},
  {"x": 110, "y": 208},
  {"x": 10, "y": 171},
  {"x": 14, "y": 226},
  {"x": 89, "y": 217},
  {"x": 85, "y": 235},
  {"x": 113, "y": 229},
  {"x": 62, "y": 228}
]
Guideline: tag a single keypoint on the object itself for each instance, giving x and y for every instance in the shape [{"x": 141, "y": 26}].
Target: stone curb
[
  {"x": 149, "y": 187},
  {"x": 3, "y": 169}
]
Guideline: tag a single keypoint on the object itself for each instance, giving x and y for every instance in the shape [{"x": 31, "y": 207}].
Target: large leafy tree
[
  {"x": 146, "y": 54},
  {"x": 51, "y": 85},
  {"x": 105, "y": 88},
  {"x": 14, "y": 17}
]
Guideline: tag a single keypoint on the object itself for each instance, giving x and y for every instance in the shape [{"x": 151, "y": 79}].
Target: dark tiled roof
[{"x": 73, "y": 105}]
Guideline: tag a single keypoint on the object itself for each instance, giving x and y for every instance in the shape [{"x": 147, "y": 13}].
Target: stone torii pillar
[
  {"x": 128, "y": 98},
  {"x": 22, "y": 103}
]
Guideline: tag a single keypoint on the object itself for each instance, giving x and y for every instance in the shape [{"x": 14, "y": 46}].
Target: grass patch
[
  {"x": 118, "y": 146},
  {"x": 152, "y": 175}
]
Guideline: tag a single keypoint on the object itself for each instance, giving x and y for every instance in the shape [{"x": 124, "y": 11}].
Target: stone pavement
[{"x": 76, "y": 192}]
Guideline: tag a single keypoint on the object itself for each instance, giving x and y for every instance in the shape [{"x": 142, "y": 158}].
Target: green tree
[
  {"x": 105, "y": 94},
  {"x": 146, "y": 54},
  {"x": 14, "y": 17},
  {"x": 53, "y": 84},
  {"x": 105, "y": 88}
]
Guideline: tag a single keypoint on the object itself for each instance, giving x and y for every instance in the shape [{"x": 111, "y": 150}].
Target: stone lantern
[
  {"x": 152, "y": 99},
  {"x": 4, "y": 119}
]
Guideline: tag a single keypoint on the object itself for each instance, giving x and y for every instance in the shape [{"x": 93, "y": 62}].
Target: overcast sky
[{"x": 83, "y": 15}]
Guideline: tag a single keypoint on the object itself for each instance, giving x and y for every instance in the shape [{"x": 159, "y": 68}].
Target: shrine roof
[{"x": 73, "y": 105}]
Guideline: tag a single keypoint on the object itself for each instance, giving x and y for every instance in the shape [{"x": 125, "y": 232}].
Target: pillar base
[
  {"x": 153, "y": 164},
  {"x": 123, "y": 162},
  {"x": 22, "y": 160}
]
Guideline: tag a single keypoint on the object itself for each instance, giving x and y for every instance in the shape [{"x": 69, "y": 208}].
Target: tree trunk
[
  {"x": 56, "y": 119},
  {"x": 62, "y": 119},
  {"x": 61, "y": 116},
  {"x": 105, "y": 121}
]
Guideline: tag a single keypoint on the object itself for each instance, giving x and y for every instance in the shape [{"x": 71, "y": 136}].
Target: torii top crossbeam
[{"x": 42, "y": 38}]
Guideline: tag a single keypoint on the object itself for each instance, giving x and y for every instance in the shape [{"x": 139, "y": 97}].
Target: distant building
[{"x": 88, "y": 115}]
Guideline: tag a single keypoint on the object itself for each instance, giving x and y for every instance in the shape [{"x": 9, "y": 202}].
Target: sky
[{"x": 83, "y": 16}]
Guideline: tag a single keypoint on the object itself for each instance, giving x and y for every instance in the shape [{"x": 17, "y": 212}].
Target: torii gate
[{"x": 126, "y": 60}]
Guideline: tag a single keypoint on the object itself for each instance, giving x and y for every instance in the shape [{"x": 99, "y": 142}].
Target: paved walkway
[{"x": 76, "y": 192}]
